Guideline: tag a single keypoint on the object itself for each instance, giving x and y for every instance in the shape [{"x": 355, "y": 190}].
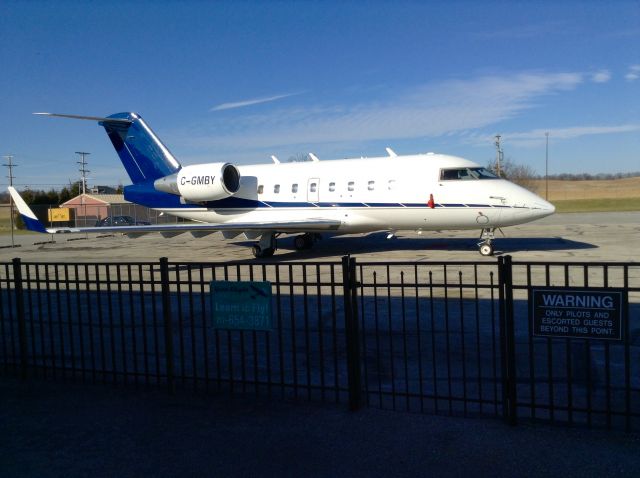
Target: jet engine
[{"x": 202, "y": 182}]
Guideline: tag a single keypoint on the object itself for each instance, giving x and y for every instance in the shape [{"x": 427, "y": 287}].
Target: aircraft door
[{"x": 313, "y": 190}]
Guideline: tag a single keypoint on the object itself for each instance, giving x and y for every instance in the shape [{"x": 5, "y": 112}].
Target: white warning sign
[{"x": 577, "y": 313}]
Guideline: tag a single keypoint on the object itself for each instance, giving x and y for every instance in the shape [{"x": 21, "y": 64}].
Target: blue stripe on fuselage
[{"x": 146, "y": 195}]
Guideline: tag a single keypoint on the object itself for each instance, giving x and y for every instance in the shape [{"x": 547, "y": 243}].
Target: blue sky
[{"x": 240, "y": 81}]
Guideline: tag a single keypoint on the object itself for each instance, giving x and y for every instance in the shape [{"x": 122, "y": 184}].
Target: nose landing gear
[{"x": 484, "y": 246}]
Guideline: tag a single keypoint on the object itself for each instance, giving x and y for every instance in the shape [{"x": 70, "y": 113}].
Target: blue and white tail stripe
[
  {"x": 142, "y": 153},
  {"x": 28, "y": 217}
]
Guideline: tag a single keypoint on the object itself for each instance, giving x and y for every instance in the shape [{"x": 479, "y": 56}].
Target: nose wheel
[
  {"x": 486, "y": 249},
  {"x": 484, "y": 246}
]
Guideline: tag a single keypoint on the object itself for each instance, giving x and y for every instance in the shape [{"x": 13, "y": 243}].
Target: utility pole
[
  {"x": 83, "y": 176},
  {"x": 498, "y": 155},
  {"x": 546, "y": 168},
  {"x": 9, "y": 164},
  {"x": 83, "y": 169}
]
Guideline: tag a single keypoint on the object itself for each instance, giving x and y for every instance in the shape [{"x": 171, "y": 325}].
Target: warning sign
[{"x": 578, "y": 313}]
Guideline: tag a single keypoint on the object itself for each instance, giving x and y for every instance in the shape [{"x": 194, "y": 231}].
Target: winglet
[{"x": 29, "y": 218}]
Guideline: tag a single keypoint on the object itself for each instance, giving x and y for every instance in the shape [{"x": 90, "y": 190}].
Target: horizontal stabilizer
[{"x": 90, "y": 118}]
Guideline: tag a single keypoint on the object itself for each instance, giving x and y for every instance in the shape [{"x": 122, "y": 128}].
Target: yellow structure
[{"x": 59, "y": 214}]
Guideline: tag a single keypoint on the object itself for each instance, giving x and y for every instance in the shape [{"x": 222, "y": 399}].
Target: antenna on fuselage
[
  {"x": 313, "y": 157},
  {"x": 275, "y": 160},
  {"x": 391, "y": 152}
]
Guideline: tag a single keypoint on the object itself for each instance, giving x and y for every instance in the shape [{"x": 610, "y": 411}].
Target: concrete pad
[{"x": 562, "y": 237}]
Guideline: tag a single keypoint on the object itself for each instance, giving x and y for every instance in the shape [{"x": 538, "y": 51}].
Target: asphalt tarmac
[
  {"x": 63, "y": 429},
  {"x": 66, "y": 430},
  {"x": 561, "y": 237}
]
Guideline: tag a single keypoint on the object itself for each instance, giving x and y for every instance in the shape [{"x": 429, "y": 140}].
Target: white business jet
[{"x": 421, "y": 192}]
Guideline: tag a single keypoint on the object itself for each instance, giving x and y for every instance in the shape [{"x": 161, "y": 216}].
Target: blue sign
[{"x": 241, "y": 305}]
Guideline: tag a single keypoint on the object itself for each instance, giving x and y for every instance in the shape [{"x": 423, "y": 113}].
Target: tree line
[{"x": 52, "y": 197}]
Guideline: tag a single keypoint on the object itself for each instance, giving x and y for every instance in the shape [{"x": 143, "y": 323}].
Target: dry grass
[{"x": 597, "y": 189}]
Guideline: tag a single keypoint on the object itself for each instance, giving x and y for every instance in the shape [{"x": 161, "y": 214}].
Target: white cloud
[
  {"x": 537, "y": 137},
  {"x": 601, "y": 76},
  {"x": 633, "y": 74},
  {"x": 250, "y": 102},
  {"x": 428, "y": 110}
]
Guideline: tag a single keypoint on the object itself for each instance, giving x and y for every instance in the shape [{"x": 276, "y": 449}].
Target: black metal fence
[{"x": 447, "y": 338}]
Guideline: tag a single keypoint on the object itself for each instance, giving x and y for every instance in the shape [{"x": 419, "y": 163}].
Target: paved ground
[
  {"x": 562, "y": 237},
  {"x": 73, "y": 430}
]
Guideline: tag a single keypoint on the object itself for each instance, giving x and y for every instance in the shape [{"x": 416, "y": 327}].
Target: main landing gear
[
  {"x": 305, "y": 241},
  {"x": 484, "y": 246},
  {"x": 266, "y": 246}
]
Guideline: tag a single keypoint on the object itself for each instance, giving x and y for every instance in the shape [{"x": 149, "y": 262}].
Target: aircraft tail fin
[
  {"x": 28, "y": 217},
  {"x": 142, "y": 153}
]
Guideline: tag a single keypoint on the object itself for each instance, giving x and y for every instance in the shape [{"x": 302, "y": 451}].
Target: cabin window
[
  {"x": 371, "y": 185},
  {"x": 260, "y": 189},
  {"x": 276, "y": 188},
  {"x": 294, "y": 188},
  {"x": 455, "y": 174},
  {"x": 391, "y": 184},
  {"x": 350, "y": 185},
  {"x": 332, "y": 187},
  {"x": 313, "y": 187}
]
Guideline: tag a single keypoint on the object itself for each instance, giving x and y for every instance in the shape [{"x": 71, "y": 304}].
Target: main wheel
[
  {"x": 256, "y": 251},
  {"x": 303, "y": 241},
  {"x": 486, "y": 249},
  {"x": 268, "y": 252},
  {"x": 299, "y": 242}
]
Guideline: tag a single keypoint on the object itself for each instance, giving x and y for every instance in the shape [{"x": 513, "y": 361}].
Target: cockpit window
[{"x": 466, "y": 173}]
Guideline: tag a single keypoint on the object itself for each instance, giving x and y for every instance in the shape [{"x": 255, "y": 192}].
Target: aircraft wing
[{"x": 33, "y": 224}]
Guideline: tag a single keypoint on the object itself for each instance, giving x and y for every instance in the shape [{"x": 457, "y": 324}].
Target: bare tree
[{"x": 520, "y": 174}]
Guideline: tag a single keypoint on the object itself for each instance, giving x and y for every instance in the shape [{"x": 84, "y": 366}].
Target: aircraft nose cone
[{"x": 543, "y": 208}]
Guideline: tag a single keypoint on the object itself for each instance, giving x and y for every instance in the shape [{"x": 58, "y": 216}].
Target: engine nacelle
[{"x": 202, "y": 182}]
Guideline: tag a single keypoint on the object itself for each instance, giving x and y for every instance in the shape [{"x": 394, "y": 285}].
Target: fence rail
[{"x": 448, "y": 338}]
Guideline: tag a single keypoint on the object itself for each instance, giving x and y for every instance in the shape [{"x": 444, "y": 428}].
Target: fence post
[
  {"x": 22, "y": 325},
  {"x": 166, "y": 314},
  {"x": 507, "y": 341},
  {"x": 350, "y": 292}
]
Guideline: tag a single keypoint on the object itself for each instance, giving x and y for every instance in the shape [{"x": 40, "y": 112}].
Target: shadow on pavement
[{"x": 377, "y": 242}]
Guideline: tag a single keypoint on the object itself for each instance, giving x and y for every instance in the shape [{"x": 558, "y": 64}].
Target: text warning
[{"x": 577, "y": 313}]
